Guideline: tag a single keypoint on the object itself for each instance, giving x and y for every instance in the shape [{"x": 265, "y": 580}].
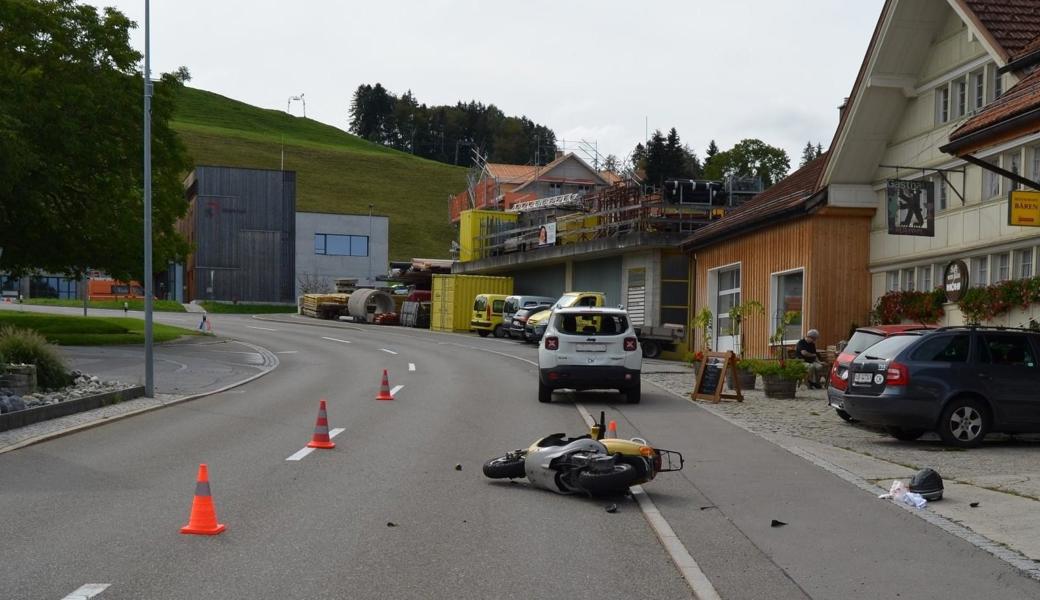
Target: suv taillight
[
  {"x": 836, "y": 380},
  {"x": 631, "y": 344},
  {"x": 552, "y": 343},
  {"x": 897, "y": 374}
]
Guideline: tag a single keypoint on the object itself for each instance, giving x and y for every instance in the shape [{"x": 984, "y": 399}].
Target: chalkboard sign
[{"x": 712, "y": 376}]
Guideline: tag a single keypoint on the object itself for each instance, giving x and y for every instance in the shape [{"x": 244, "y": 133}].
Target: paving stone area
[{"x": 1005, "y": 463}]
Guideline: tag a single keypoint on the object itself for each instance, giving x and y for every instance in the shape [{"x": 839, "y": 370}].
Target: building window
[
  {"x": 1024, "y": 263},
  {"x": 1013, "y": 162},
  {"x": 998, "y": 84},
  {"x": 990, "y": 181},
  {"x": 1002, "y": 267},
  {"x": 924, "y": 278},
  {"x": 980, "y": 271},
  {"x": 787, "y": 297},
  {"x": 555, "y": 189},
  {"x": 1034, "y": 172},
  {"x": 940, "y": 187},
  {"x": 978, "y": 96},
  {"x": 962, "y": 98},
  {"x": 53, "y": 287},
  {"x": 892, "y": 281},
  {"x": 331, "y": 244},
  {"x": 907, "y": 284},
  {"x": 584, "y": 189},
  {"x": 727, "y": 297},
  {"x": 942, "y": 104}
]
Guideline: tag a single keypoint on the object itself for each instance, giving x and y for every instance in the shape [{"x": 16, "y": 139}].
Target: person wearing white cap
[{"x": 805, "y": 349}]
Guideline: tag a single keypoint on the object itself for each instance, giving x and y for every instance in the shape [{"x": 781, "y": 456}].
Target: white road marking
[
  {"x": 300, "y": 454},
  {"x": 411, "y": 366},
  {"x": 87, "y": 591},
  {"x": 395, "y": 389},
  {"x": 695, "y": 577},
  {"x": 287, "y": 352},
  {"x": 263, "y": 328},
  {"x": 333, "y": 433},
  {"x": 335, "y": 340},
  {"x": 388, "y": 351}
]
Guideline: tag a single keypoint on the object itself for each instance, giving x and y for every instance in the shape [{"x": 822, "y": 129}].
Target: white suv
[{"x": 589, "y": 348}]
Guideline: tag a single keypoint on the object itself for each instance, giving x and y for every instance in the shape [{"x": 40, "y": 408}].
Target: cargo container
[
  {"x": 474, "y": 225},
  {"x": 453, "y": 297}
]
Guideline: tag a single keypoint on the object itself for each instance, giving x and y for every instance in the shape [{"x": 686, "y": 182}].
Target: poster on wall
[
  {"x": 547, "y": 234},
  {"x": 911, "y": 207}
]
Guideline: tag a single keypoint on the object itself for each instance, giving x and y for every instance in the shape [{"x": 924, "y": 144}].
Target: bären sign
[{"x": 1024, "y": 208}]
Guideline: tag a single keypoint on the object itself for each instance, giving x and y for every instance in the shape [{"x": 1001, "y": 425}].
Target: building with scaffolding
[{"x": 566, "y": 227}]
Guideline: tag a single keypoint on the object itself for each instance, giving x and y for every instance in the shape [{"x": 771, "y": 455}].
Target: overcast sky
[{"x": 599, "y": 70}]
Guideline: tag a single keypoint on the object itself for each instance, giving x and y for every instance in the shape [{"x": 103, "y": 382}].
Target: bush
[
  {"x": 28, "y": 347},
  {"x": 787, "y": 369}
]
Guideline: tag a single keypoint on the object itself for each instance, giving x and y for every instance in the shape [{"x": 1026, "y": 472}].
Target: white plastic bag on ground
[{"x": 900, "y": 493}]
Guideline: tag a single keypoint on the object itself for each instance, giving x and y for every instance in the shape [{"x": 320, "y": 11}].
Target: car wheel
[
  {"x": 483, "y": 332},
  {"x": 544, "y": 392},
  {"x": 844, "y": 416},
  {"x": 904, "y": 435},
  {"x": 964, "y": 422},
  {"x": 499, "y": 331},
  {"x": 651, "y": 349},
  {"x": 633, "y": 393}
]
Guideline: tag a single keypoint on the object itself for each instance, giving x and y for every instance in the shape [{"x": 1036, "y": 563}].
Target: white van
[{"x": 515, "y": 303}]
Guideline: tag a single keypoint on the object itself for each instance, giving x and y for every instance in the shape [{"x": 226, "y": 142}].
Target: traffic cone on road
[
  {"x": 321, "y": 430},
  {"x": 612, "y": 429},
  {"x": 203, "y": 519},
  {"x": 384, "y": 389}
]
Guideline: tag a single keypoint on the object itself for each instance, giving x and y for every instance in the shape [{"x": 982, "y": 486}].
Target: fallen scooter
[{"x": 587, "y": 464}]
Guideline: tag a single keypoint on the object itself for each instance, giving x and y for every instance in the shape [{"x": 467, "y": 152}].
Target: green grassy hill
[{"x": 336, "y": 172}]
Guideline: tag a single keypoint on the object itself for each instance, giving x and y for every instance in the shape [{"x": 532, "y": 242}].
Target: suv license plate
[
  {"x": 591, "y": 348},
  {"x": 862, "y": 378}
]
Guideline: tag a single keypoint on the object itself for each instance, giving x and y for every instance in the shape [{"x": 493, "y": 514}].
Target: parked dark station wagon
[{"x": 961, "y": 382}]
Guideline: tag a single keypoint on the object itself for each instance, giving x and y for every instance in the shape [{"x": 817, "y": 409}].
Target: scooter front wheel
[
  {"x": 616, "y": 480},
  {"x": 504, "y": 467}
]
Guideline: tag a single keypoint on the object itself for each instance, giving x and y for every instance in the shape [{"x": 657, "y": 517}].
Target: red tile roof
[
  {"x": 791, "y": 193},
  {"x": 1023, "y": 97},
  {"x": 1012, "y": 23},
  {"x": 511, "y": 173}
]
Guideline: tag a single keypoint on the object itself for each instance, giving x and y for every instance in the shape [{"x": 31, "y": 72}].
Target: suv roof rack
[{"x": 987, "y": 328}]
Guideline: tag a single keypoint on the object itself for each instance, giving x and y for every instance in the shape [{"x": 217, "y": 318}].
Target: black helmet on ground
[{"x": 928, "y": 483}]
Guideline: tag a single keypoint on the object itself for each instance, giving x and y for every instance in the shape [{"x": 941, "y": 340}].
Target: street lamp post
[
  {"x": 149, "y": 376},
  {"x": 370, "y": 246}
]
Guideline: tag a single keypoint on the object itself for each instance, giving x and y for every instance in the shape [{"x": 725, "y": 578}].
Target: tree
[
  {"x": 750, "y": 158},
  {"x": 71, "y": 164},
  {"x": 182, "y": 74},
  {"x": 710, "y": 153},
  {"x": 611, "y": 164},
  {"x": 810, "y": 153},
  {"x": 667, "y": 158}
]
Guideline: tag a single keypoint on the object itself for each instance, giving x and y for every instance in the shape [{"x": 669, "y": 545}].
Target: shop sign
[
  {"x": 955, "y": 280},
  {"x": 911, "y": 207},
  {"x": 1024, "y": 208}
]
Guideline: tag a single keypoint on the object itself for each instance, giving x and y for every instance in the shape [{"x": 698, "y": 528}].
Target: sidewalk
[
  {"x": 1002, "y": 476},
  {"x": 184, "y": 370}
]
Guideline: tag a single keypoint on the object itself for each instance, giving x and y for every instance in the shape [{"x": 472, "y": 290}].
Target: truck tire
[
  {"x": 499, "y": 331},
  {"x": 483, "y": 332},
  {"x": 651, "y": 349}
]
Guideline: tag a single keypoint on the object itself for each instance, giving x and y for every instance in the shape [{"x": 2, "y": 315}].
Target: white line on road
[
  {"x": 396, "y": 388},
  {"x": 691, "y": 571},
  {"x": 303, "y": 452},
  {"x": 87, "y": 591},
  {"x": 287, "y": 352},
  {"x": 387, "y": 351},
  {"x": 263, "y": 328},
  {"x": 335, "y": 340},
  {"x": 300, "y": 454},
  {"x": 411, "y": 366}
]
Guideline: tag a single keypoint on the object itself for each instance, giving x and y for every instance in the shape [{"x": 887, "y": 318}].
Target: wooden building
[
  {"x": 792, "y": 250},
  {"x": 241, "y": 225}
]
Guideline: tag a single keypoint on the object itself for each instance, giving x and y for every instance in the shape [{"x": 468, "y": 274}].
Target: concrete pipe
[{"x": 364, "y": 305}]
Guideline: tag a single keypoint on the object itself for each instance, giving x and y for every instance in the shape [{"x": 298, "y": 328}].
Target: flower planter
[
  {"x": 778, "y": 387},
  {"x": 696, "y": 366},
  {"x": 747, "y": 379}
]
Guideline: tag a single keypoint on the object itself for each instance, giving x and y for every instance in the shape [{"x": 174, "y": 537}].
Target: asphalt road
[{"x": 104, "y": 505}]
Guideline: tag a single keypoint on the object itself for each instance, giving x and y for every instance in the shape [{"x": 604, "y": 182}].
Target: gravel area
[
  {"x": 82, "y": 385},
  {"x": 1003, "y": 463}
]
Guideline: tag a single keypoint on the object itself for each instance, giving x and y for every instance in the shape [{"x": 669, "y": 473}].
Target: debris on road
[
  {"x": 458, "y": 467},
  {"x": 899, "y": 493},
  {"x": 776, "y": 523},
  {"x": 391, "y": 524},
  {"x": 974, "y": 505},
  {"x": 612, "y": 508}
]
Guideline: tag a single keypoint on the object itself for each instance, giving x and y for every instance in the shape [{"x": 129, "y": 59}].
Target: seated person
[{"x": 805, "y": 349}]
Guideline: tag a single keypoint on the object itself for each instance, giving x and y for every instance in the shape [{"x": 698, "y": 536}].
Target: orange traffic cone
[
  {"x": 321, "y": 430},
  {"x": 384, "y": 389},
  {"x": 612, "y": 429},
  {"x": 203, "y": 519}
]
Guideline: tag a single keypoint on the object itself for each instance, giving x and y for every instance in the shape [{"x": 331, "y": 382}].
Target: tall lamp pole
[
  {"x": 370, "y": 282},
  {"x": 149, "y": 375}
]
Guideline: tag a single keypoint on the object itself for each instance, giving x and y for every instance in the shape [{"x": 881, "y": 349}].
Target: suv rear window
[
  {"x": 943, "y": 348},
  {"x": 592, "y": 324},
  {"x": 861, "y": 340},
  {"x": 480, "y": 303},
  {"x": 888, "y": 347},
  {"x": 511, "y": 305}
]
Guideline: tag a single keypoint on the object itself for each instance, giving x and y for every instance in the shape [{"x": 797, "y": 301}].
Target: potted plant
[
  {"x": 737, "y": 315},
  {"x": 695, "y": 359},
  {"x": 779, "y": 377},
  {"x": 702, "y": 320}
]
